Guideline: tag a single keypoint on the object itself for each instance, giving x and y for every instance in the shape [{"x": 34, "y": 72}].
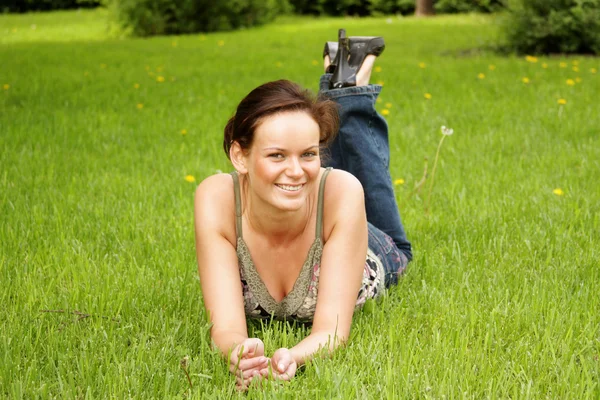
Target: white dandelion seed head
[{"x": 447, "y": 131}]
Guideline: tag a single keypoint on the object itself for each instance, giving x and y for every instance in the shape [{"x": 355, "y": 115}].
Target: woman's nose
[{"x": 294, "y": 167}]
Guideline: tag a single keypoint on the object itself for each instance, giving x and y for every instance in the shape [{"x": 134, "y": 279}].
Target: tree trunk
[{"x": 424, "y": 8}]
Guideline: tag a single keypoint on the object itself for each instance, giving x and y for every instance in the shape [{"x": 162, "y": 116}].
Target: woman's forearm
[
  {"x": 316, "y": 341},
  {"x": 227, "y": 340}
]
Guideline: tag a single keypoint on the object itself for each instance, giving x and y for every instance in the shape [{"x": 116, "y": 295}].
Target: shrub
[
  {"x": 403, "y": 7},
  {"x": 553, "y": 26},
  {"x": 465, "y": 6},
  {"x": 157, "y": 17},
  {"x": 377, "y": 7},
  {"x": 21, "y": 6}
]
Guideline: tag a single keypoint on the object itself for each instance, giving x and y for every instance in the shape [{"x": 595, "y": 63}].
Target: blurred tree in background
[{"x": 424, "y": 8}]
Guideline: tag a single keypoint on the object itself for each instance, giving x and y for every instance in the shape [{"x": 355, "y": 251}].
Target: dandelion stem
[
  {"x": 418, "y": 185},
  {"x": 184, "y": 366},
  {"x": 437, "y": 154}
]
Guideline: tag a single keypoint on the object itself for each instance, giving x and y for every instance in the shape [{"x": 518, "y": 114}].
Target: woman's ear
[{"x": 237, "y": 155}]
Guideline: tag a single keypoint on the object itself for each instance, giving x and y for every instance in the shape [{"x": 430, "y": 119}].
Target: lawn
[{"x": 103, "y": 140}]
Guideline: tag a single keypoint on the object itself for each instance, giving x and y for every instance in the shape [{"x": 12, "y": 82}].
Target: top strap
[
  {"x": 238, "y": 204},
  {"x": 319, "y": 225}
]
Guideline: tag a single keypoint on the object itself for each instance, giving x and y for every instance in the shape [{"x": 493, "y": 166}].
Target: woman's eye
[
  {"x": 309, "y": 154},
  {"x": 276, "y": 155}
]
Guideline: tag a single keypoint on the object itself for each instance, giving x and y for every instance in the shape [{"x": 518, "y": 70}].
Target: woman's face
[{"x": 283, "y": 162}]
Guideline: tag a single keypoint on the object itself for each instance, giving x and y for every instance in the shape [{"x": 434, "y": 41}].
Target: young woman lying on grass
[{"x": 283, "y": 236}]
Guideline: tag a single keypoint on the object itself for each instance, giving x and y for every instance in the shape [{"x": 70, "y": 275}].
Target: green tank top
[{"x": 300, "y": 303}]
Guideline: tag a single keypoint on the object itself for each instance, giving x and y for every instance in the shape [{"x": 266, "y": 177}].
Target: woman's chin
[{"x": 290, "y": 202}]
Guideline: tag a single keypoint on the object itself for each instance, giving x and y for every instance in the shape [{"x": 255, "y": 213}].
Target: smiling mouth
[{"x": 290, "y": 188}]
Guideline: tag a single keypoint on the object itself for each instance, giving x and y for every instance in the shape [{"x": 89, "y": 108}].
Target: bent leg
[
  {"x": 362, "y": 148},
  {"x": 393, "y": 260}
]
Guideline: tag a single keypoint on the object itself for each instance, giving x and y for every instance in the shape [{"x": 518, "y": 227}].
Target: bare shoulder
[
  {"x": 344, "y": 201},
  {"x": 214, "y": 205},
  {"x": 217, "y": 185},
  {"x": 342, "y": 186}
]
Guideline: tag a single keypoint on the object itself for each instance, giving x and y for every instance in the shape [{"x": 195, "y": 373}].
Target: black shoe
[
  {"x": 343, "y": 75},
  {"x": 359, "y": 47},
  {"x": 330, "y": 49}
]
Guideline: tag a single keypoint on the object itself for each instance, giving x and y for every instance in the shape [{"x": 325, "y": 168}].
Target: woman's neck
[{"x": 279, "y": 227}]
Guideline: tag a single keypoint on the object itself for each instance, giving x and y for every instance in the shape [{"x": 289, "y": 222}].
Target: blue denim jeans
[{"x": 362, "y": 148}]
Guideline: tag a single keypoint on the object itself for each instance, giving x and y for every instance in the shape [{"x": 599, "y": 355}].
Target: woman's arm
[
  {"x": 220, "y": 277},
  {"x": 217, "y": 263},
  {"x": 341, "y": 272}
]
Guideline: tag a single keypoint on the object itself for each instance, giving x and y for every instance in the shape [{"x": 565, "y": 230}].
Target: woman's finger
[
  {"x": 286, "y": 375},
  {"x": 252, "y": 363},
  {"x": 246, "y": 367},
  {"x": 255, "y": 346},
  {"x": 249, "y": 373}
]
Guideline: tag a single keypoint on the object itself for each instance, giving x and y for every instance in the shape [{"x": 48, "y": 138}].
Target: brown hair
[{"x": 276, "y": 97}]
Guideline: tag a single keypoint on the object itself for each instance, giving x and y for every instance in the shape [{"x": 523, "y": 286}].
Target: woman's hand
[
  {"x": 247, "y": 360},
  {"x": 283, "y": 365}
]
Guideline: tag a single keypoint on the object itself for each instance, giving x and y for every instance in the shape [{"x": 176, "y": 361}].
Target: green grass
[{"x": 501, "y": 300}]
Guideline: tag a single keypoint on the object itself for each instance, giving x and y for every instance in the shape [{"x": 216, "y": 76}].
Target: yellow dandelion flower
[
  {"x": 13, "y": 30},
  {"x": 576, "y": 69},
  {"x": 103, "y": 66},
  {"x": 378, "y": 100},
  {"x": 531, "y": 59},
  {"x": 491, "y": 67},
  {"x": 6, "y": 86},
  {"x": 378, "y": 69},
  {"x": 422, "y": 65},
  {"x": 481, "y": 75},
  {"x": 184, "y": 131},
  {"x": 140, "y": 106},
  {"x": 136, "y": 85},
  {"x": 399, "y": 182},
  {"x": 558, "y": 192},
  {"x": 174, "y": 43},
  {"x": 221, "y": 43},
  {"x": 315, "y": 62},
  {"x": 427, "y": 96},
  {"x": 544, "y": 65},
  {"x": 575, "y": 62},
  {"x": 593, "y": 70},
  {"x": 578, "y": 79},
  {"x": 563, "y": 65},
  {"x": 525, "y": 80},
  {"x": 202, "y": 37},
  {"x": 190, "y": 178},
  {"x": 385, "y": 111},
  {"x": 278, "y": 64},
  {"x": 380, "y": 83},
  {"x": 562, "y": 102},
  {"x": 388, "y": 105},
  {"x": 160, "y": 79},
  {"x": 570, "y": 82}
]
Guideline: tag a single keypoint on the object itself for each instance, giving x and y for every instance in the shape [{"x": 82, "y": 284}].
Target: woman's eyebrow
[{"x": 280, "y": 149}]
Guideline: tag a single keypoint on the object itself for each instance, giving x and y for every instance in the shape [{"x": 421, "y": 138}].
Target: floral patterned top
[{"x": 301, "y": 302}]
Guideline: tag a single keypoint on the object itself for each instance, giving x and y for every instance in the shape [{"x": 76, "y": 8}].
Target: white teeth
[{"x": 291, "y": 188}]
